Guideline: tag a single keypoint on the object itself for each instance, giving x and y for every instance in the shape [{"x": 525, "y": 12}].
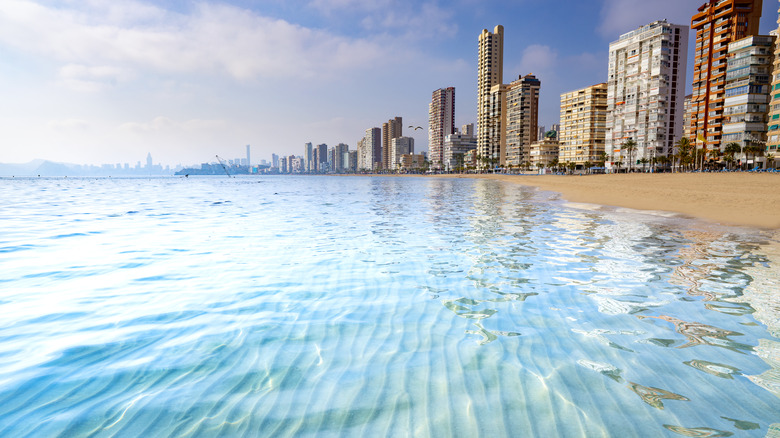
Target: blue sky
[{"x": 93, "y": 81}]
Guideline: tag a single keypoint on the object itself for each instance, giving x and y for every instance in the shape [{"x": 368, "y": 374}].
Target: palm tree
[
  {"x": 715, "y": 155},
  {"x": 630, "y": 146},
  {"x": 683, "y": 150},
  {"x": 731, "y": 150},
  {"x": 644, "y": 162},
  {"x": 587, "y": 165},
  {"x": 770, "y": 158},
  {"x": 602, "y": 159}
]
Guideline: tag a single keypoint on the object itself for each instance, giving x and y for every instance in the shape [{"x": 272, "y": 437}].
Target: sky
[{"x": 106, "y": 82}]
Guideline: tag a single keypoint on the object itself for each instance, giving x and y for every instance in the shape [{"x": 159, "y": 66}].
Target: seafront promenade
[{"x": 751, "y": 199}]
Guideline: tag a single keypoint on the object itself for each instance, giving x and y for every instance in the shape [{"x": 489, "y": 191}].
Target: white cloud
[
  {"x": 621, "y": 16},
  {"x": 163, "y": 124},
  {"x": 67, "y": 125},
  {"x": 100, "y": 43}
]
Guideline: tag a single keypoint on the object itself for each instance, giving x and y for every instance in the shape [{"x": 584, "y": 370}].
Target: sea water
[{"x": 369, "y": 306}]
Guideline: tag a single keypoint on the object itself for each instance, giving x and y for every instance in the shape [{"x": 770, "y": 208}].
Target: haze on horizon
[{"x": 95, "y": 82}]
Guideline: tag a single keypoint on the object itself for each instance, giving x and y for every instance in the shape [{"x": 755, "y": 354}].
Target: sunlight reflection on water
[{"x": 319, "y": 306}]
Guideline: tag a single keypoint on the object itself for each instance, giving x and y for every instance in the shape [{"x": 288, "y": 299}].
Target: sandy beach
[{"x": 751, "y": 199}]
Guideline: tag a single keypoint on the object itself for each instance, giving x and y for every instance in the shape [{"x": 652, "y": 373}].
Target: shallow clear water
[{"x": 352, "y": 306}]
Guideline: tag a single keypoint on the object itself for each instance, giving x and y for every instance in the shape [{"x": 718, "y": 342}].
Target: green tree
[{"x": 731, "y": 150}]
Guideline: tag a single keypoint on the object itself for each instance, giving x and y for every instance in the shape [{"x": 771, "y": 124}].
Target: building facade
[
  {"x": 522, "y": 118},
  {"x": 543, "y": 153},
  {"x": 773, "y": 128},
  {"x": 441, "y": 123},
  {"x": 393, "y": 128},
  {"x": 369, "y": 150},
  {"x": 717, "y": 23},
  {"x": 490, "y": 74},
  {"x": 494, "y": 153},
  {"x": 645, "y": 92},
  {"x": 400, "y": 146},
  {"x": 455, "y": 148},
  {"x": 748, "y": 87},
  {"x": 308, "y": 156},
  {"x": 583, "y": 126}
]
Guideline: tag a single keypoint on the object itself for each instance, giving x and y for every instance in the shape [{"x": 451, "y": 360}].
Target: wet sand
[{"x": 749, "y": 199}]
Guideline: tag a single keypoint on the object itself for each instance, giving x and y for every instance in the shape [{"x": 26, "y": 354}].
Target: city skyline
[{"x": 94, "y": 84}]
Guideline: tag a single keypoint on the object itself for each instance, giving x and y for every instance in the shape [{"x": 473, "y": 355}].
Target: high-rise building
[
  {"x": 340, "y": 157},
  {"x": 322, "y": 158},
  {"x": 748, "y": 87},
  {"x": 441, "y": 123},
  {"x": 274, "y": 160},
  {"x": 149, "y": 160},
  {"x": 248, "y": 157},
  {"x": 495, "y": 150},
  {"x": 467, "y": 130},
  {"x": 717, "y": 23},
  {"x": 773, "y": 128},
  {"x": 490, "y": 74},
  {"x": 369, "y": 149},
  {"x": 400, "y": 146},
  {"x": 687, "y": 132},
  {"x": 393, "y": 128},
  {"x": 352, "y": 161},
  {"x": 456, "y": 146},
  {"x": 583, "y": 125},
  {"x": 308, "y": 157},
  {"x": 522, "y": 118},
  {"x": 645, "y": 92}
]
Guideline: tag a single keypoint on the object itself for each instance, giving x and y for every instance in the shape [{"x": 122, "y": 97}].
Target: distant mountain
[
  {"x": 26, "y": 169},
  {"x": 52, "y": 168}
]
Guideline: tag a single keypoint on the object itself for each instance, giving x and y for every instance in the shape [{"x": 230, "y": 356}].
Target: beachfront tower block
[
  {"x": 369, "y": 150},
  {"x": 716, "y": 23},
  {"x": 393, "y": 128},
  {"x": 583, "y": 125},
  {"x": 522, "y": 119},
  {"x": 773, "y": 128},
  {"x": 748, "y": 83},
  {"x": 645, "y": 92},
  {"x": 490, "y": 74},
  {"x": 441, "y": 123}
]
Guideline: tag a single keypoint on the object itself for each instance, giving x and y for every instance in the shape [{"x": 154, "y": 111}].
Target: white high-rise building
[
  {"x": 308, "y": 157},
  {"x": 370, "y": 149},
  {"x": 490, "y": 74},
  {"x": 645, "y": 92},
  {"x": 400, "y": 146}
]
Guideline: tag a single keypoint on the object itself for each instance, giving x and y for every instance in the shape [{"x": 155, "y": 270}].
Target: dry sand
[{"x": 751, "y": 199}]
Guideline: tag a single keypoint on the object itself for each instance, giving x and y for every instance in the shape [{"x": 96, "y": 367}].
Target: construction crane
[{"x": 222, "y": 163}]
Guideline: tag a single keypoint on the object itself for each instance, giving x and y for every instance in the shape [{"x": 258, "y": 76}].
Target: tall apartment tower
[
  {"x": 340, "y": 157},
  {"x": 717, "y": 23},
  {"x": 441, "y": 123},
  {"x": 583, "y": 125},
  {"x": 390, "y": 130},
  {"x": 369, "y": 149},
  {"x": 773, "y": 126},
  {"x": 321, "y": 161},
  {"x": 645, "y": 91},
  {"x": 308, "y": 157},
  {"x": 522, "y": 118},
  {"x": 748, "y": 83},
  {"x": 248, "y": 157},
  {"x": 490, "y": 74}
]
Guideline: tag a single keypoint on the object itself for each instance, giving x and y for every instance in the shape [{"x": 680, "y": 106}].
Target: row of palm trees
[{"x": 689, "y": 157}]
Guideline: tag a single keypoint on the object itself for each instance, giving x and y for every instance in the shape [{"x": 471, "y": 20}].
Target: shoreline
[{"x": 742, "y": 199}]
